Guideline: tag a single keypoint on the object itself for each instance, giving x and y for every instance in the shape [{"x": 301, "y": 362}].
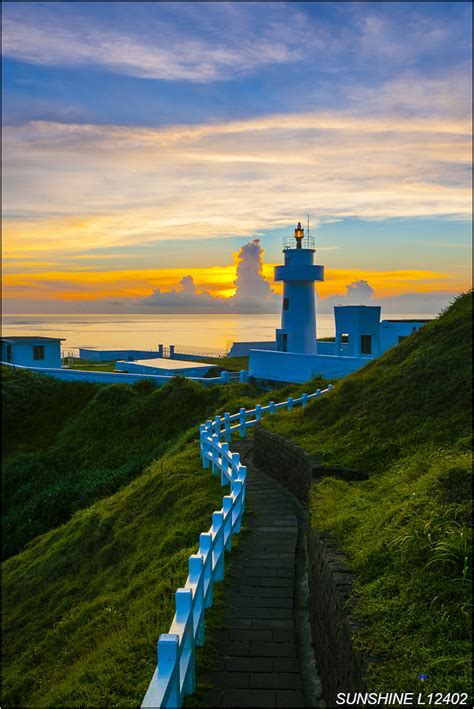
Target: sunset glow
[{"x": 127, "y": 170}]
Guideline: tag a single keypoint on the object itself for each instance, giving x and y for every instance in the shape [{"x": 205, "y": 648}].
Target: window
[
  {"x": 344, "y": 339},
  {"x": 286, "y": 303},
  {"x": 38, "y": 352},
  {"x": 366, "y": 344}
]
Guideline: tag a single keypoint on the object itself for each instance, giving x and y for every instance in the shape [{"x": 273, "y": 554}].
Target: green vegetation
[
  {"x": 86, "y": 601},
  {"x": 70, "y": 444},
  {"x": 418, "y": 393},
  {"x": 406, "y": 420}
]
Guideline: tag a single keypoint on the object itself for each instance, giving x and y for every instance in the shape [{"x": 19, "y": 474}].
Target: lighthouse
[{"x": 298, "y": 274}]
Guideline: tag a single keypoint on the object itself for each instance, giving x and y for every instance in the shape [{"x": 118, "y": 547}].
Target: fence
[{"x": 174, "y": 676}]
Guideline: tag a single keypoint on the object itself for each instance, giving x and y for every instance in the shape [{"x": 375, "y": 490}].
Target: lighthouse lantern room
[{"x": 298, "y": 274}]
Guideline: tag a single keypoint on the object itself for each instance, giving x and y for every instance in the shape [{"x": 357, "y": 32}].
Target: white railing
[{"x": 174, "y": 676}]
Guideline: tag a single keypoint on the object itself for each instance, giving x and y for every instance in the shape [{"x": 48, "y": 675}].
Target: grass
[
  {"x": 407, "y": 535},
  {"x": 406, "y": 420},
  {"x": 417, "y": 393},
  {"x": 70, "y": 444},
  {"x": 104, "y": 498},
  {"x": 85, "y": 603}
]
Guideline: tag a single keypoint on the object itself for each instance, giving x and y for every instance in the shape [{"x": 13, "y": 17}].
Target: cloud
[
  {"x": 72, "y": 187},
  {"x": 163, "y": 45},
  {"x": 357, "y": 293},
  {"x": 252, "y": 290},
  {"x": 253, "y": 293},
  {"x": 362, "y": 293}
]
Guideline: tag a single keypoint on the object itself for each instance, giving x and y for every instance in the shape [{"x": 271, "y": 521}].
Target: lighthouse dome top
[{"x": 301, "y": 239}]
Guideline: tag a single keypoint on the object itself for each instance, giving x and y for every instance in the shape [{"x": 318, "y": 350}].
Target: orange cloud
[{"x": 217, "y": 280}]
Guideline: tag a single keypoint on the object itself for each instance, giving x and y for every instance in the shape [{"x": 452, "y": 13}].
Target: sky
[{"x": 155, "y": 155}]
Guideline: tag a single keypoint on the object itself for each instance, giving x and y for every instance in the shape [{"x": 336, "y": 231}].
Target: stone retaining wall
[
  {"x": 341, "y": 668},
  {"x": 285, "y": 461}
]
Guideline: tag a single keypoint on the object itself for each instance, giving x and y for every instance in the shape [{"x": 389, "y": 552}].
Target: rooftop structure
[{"x": 32, "y": 351}]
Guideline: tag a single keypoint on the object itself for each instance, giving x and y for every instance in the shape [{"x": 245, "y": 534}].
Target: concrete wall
[
  {"x": 391, "y": 330},
  {"x": 22, "y": 354},
  {"x": 242, "y": 349},
  {"x": 111, "y": 355},
  {"x": 80, "y": 375},
  {"x": 341, "y": 667},
  {"x": 294, "y": 367},
  {"x": 329, "y": 348},
  {"x": 355, "y": 321}
]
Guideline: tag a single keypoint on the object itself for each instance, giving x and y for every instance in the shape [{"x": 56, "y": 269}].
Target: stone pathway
[{"x": 258, "y": 661}]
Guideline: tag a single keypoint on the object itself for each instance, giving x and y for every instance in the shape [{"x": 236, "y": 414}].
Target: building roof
[{"x": 31, "y": 338}]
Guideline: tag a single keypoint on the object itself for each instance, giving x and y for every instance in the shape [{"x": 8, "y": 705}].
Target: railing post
[
  {"x": 235, "y": 465},
  {"x": 184, "y": 615},
  {"x": 205, "y": 547},
  {"x": 243, "y": 426},
  {"x": 290, "y": 403},
  {"x": 225, "y": 377},
  {"x": 305, "y": 400},
  {"x": 243, "y": 376},
  {"x": 217, "y": 425},
  {"x": 272, "y": 407},
  {"x": 318, "y": 392},
  {"x": 203, "y": 443},
  {"x": 218, "y": 554},
  {"x": 196, "y": 577},
  {"x": 228, "y": 434},
  {"x": 227, "y": 508},
  {"x": 225, "y": 464},
  {"x": 237, "y": 487},
  {"x": 258, "y": 412},
  {"x": 168, "y": 666},
  {"x": 330, "y": 386},
  {"x": 215, "y": 453}
]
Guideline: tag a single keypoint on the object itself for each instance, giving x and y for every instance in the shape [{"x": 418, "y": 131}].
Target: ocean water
[{"x": 198, "y": 333}]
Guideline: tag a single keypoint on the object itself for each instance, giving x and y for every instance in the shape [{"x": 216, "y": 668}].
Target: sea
[{"x": 202, "y": 334}]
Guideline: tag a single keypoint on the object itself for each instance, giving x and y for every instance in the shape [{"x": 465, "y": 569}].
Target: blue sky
[{"x": 167, "y": 135}]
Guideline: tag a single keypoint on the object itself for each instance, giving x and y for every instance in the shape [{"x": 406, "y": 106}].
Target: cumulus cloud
[
  {"x": 357, "y": 293},
  {"x": 252, "y": 289},
  {"x": 253, "y": 293}
]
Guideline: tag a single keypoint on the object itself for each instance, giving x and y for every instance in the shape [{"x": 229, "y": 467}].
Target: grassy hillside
[
  {"x": 405, "y": 419},
  {"x": 70, "y": 444},
  {"x": 85, "y": 602},
  {"x": 418, "y": 393}
]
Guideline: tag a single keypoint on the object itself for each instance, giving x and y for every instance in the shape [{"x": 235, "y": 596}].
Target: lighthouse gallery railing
[{"x": 174, "y": 676}]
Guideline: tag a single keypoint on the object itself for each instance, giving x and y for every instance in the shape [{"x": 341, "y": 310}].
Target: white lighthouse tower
[{"x": 298, "y": 318}]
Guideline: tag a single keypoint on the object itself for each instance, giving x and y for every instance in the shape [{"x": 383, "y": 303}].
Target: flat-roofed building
[{"x": 32, "y": 351}]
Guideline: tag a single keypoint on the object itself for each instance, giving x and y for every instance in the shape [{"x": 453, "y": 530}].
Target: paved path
[{"x": 258, "y": 663}]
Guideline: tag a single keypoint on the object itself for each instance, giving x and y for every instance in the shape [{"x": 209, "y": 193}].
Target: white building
[
  {"x": 296, "y": 355},
  {"x": 32, "y": 351}
]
